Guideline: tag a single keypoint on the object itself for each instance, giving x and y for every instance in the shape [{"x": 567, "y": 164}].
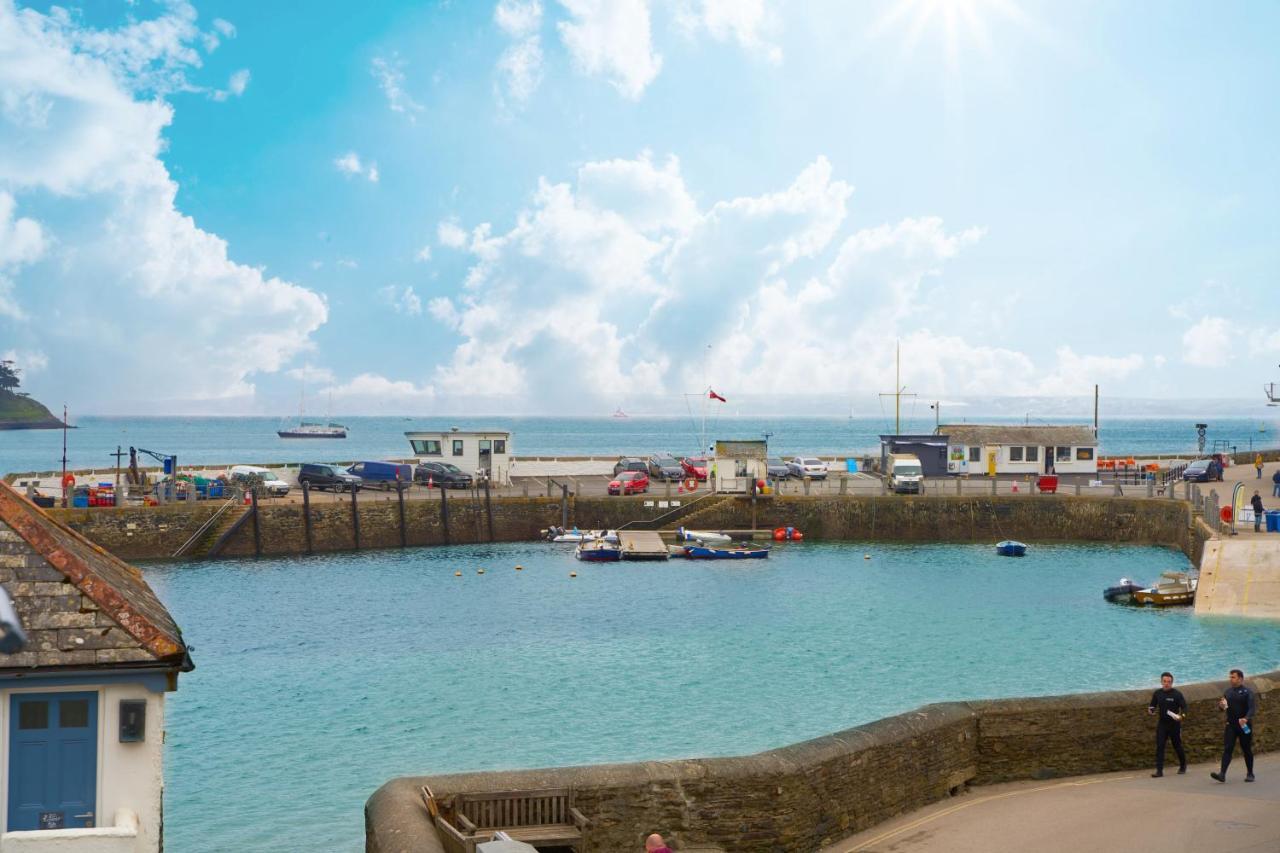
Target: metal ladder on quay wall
[{"x": 215, "y": 529}]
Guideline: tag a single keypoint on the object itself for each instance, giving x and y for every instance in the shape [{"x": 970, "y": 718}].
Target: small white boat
[
  {"x": 560, "y": 534},
  {"x": 683, "y": 535}
]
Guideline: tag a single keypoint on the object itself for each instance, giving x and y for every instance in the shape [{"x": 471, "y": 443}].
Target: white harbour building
[
  {"x": 471, "y": 450},
  {"x": 990, "y": 449}
]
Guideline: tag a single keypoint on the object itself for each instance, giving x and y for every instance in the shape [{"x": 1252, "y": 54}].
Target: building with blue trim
[{"x": 82, "y": 700}]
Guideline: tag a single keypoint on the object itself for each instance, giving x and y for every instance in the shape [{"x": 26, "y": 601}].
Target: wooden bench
[{"x": 545, "y": 817}]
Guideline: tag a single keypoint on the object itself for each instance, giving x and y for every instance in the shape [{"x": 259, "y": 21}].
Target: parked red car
[
  {"x": 694, "y": 466},
  {"x": 629, "y": 483}
]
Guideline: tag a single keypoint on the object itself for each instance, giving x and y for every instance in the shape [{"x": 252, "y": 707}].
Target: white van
[
  {"x": 906, "y": 474},
  {"x": 242, "y": 474}
]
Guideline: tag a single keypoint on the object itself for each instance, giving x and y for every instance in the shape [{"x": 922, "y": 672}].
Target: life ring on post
[
  {"x": 68, "y": 481},
  {"x": 1225, "y": 514},
  {"x": 691, "y": 484}
]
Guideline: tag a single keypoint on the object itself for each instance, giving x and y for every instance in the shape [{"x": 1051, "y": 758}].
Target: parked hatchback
[
  {"x": 630, "y": 463},
  {"x": 664, "y": 467},
  {"x": 695, "y": 467},
  {"x": 1203, "y": 471},
  {"x": 384, "y": 475},
  {"x": 808, "y": 466},
  {"x": 319, "y": 476},
  {"x": 777, "y": 468},
  {"x": 629, "y": 483},
  {"x": 248, "y": 475},
  {"x": 442, "y": 475}
]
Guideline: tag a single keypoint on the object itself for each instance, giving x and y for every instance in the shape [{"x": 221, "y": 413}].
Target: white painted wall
[
  {"x": 130, "y": 775},
  {"x": 469, "y": 461}
]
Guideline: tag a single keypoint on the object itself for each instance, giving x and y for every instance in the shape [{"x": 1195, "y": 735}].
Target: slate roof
[
  {"x": 80, "y": 605},
  {"x": 1004, "y": 434},
  {"x": 741, "y": 449}
]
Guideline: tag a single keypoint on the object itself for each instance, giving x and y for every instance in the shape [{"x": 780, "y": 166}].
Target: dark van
[
  {"x": 382, "y": 474},
  {"x": 327, "y": 477}
]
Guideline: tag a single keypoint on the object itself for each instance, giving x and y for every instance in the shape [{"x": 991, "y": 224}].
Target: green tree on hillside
[{"x": 9, "y": 380}]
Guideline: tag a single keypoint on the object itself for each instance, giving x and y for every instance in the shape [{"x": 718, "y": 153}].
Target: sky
[{"x": 568, "y": 206}]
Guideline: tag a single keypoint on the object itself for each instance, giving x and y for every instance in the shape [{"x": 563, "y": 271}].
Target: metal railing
[{"x": 207, "y": 526}]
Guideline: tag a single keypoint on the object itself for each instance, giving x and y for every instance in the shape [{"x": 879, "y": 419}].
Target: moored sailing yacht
[{"x": 312, "y": 429}]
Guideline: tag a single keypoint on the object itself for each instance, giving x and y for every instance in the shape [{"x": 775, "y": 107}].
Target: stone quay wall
[
  {"x": 798, "y": 798},
  {"x": 141, "y": 533}
]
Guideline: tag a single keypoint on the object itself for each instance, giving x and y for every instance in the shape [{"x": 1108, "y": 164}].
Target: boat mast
[{"x": 898, "y": 389}]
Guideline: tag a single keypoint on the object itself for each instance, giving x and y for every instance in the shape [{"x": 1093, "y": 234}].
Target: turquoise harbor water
[
  {"x": 319, "y": 679},
  {"x": 228, "y": 440}
]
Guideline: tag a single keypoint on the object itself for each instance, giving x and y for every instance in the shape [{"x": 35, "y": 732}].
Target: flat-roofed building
[
  {"x": 738, "y": 463},
  {"x": 471, "y": 450},
  {"x": 989, "y": 449}
]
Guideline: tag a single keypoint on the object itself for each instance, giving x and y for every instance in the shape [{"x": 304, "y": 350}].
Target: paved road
[{"x": 1095, "y": 814}]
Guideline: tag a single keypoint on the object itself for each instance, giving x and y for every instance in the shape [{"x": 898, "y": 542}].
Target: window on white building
[
  {"x": 1015, "y": 454},
  {"x": 1084, "y": 454},
  {"x": 457, "y": 447},
  {"x": 1033, "y": 454},
  {"x": 975, "y": 454},
  {"x": 1062, "y": 454}
]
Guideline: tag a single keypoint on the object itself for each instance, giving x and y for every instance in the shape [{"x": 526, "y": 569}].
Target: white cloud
[
  {"x": 1208, "y": 343},
  {"x": 450, "y": 235},
  {"x": 226, "y": 28},
  {"x": 239, "y": 82},
  {"x": 351, "y": 164},
  {"x": 236, "y": 84},
  {"x": 22, "y": 242},
  {"x": 424, "y": 255},
  {"x": 402, "y": 299},
  {"x": 745, "y": 21},
  {"x": 390, "y": 76},
  {"x": 611, "y": 38},
  {"x": 309, "y": 373},
  {"x": 621, "y": 280},
  {"x": 369, "y": 392},
  {"x": 27, "y": 361},
  {"x": 124, "y": 251},
  {"x": 520, "y": 65},
  {"x": 347, "y": 263}
]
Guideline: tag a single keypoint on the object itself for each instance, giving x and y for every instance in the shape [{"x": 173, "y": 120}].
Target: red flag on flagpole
[{"x": 714, "y": 396}]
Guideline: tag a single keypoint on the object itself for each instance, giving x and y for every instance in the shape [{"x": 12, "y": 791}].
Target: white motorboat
[
  {"x": 560, "y": 534},
  {"x": 683, "y": 535},
  {"x": 311, "y": 429}
]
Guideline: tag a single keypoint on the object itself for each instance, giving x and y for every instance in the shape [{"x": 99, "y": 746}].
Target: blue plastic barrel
[
  {"x": 1273, "y": 521},
  {"x": 851, "y": 465}
]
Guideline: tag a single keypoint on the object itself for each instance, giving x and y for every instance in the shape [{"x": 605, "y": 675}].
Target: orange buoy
[
  {"x": 457, "y": 574},
  {"x": 797, "y": 536},
  {"x": 573, "y": 574},
  {"x": 1225, "y": 514}
]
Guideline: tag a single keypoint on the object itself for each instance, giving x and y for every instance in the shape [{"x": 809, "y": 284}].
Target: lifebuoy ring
[
  {"x": 68, "y": 481},
  {"x": 691, "y": 484},
  {"x": 1225, "y": 514}
]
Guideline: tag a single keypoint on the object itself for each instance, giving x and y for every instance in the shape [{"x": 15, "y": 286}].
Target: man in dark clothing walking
[
  {"x": 1240, "y": 704},
  {"x": 1171, "y": 708},
  {"x": 1256, "y": 503},
  {"x": 1275, "y": 484}
]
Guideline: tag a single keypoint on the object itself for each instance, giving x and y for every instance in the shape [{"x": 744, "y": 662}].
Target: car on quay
[
  {"x": 441, "y": 475},
  {"x": 630, "y": 463},
  {"x": 695, "y": 467},
  {"x": 808, "y": 466},
  {"x": 664, "y": 466},
  {"x": 318, "y": 475},
  {"x": 629, "y": 483},
  {"x": 383, "y": 475},
  {"x": 252, "y": 475},
  {"x": 777, "y": 468},
  {"x": 1203, "y": 471}
]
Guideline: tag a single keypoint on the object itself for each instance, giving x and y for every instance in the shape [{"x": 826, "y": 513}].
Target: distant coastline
[{"x": 21, "y": 412}]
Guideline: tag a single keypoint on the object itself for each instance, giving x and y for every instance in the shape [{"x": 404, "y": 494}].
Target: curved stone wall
[{"x": 803, "y": 796}]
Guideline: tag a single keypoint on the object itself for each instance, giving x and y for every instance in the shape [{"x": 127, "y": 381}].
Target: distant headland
[{"x": 17, "y": 410}]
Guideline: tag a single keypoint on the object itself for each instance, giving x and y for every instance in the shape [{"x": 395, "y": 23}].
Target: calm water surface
[{"x": 319, "y": 679}]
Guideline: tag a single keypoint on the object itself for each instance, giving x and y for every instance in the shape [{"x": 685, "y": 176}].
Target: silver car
[{"x": 808, "y": 466}]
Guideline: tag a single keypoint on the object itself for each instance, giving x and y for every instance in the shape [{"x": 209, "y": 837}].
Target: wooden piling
[
  {"x": 257, "y": 531},
  {"x": 355, "y": 519},
  {"x": 444, "y": 513},
  {"x": 306, "y": 513},
  {"x": 400, "y": 495}
]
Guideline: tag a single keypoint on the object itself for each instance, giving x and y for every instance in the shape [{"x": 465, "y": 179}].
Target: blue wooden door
[{"x": 53, "y": 760}]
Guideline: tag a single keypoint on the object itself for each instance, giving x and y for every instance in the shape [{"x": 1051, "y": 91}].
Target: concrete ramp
[{"x": 1240, "y": 577}]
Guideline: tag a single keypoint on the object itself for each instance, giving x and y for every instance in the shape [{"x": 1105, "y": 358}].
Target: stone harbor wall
[
  {"x": 801, "y": 797},
  {"x": 139, "y": 533}
]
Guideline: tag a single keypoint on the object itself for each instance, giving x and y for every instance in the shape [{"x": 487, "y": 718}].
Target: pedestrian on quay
[
  {"x": 1275, "y": 484},
  {"x": 1241, "y": 705},
  {"x": 1258, "y": 511},
  {"x": 655, "y": 844},
  {"x": 1171, "y": 709},
  {"x": 1257, "y": 463}
]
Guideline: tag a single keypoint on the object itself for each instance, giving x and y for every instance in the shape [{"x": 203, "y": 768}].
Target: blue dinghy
[
  {"x": 598, "y": 551},
  {"x": 1010, "y": 548},
  {"x": 704, "y": 552}
]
